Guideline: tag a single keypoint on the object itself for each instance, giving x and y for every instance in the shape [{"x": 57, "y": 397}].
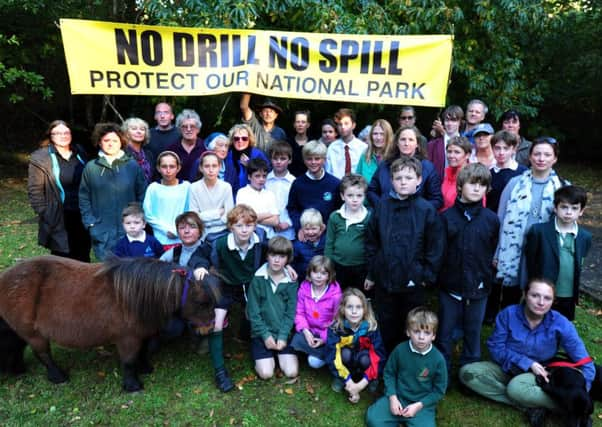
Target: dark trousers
[
  {"x": 391, "y": 312},
  {"x": 467, "y": 315},
  {"x": 565, "y": 306},
  {"x": 353, "y": 276},
  {"x": 357, "y": 361},
  {"x": 77, "y": 237}
]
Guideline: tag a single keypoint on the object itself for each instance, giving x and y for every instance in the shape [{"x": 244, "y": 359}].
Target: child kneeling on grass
[
  {"x": 272, "y": 299},
  {"x": 415, "y": 377},
  {"x": 355, "y": 351}
]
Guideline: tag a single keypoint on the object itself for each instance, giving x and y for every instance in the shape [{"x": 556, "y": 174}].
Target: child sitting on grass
[
  {"x": 271, "y": 311},
  {"x": 354, "y": 348},
  {"x": 415, "y": 377},
  {"x": 318, "y": 300}
]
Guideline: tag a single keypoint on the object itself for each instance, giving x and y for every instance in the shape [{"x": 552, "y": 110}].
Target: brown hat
[{"x": 268, "y": 103}]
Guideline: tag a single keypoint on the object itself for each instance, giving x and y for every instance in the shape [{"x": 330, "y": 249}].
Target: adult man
[
  {"x": 164, "y": 134},
  {"x": 343, "y": 154},
  {"x": 189, "y": 147},
  {"x": 475, "y": 114},
  {"x": 265, "y": 130},
  {"x": 511, "y": 123},
  {"x": 407, "y": 117}
]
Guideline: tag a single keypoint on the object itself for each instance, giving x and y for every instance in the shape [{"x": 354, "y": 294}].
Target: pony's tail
[{"x": 12, "y": 347}]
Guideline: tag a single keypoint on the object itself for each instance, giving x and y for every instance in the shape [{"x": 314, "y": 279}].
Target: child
[
  {"x": 506, "y": 167},
  {"x": 404, "y": 249},
  {"x": 271, "y": 311},
  {"x": 136, "y": 243},
  {"x": 437, "y": 148},
  {"x": 315, "y": 189},
  {"x": 467, "y": 272},
  {"x": 257, "y": 197},
  {"x": 354, "y": 348},
  {"x": 415, "y": 377},
  {"x": 318, "y": 299},
  {"x": 237, "y": 256},
  {"x": 210, "y": 197},
  {"x": 555, "y": 249},
  {"x": 195, "y": 254},
  {"x": 279, "y": 182},
  {"x": 315, "y": 240},
  {"x": 345, "y": 234},
  {"x": 344, "y": 153},
  {"x": 166, "y": 199}
]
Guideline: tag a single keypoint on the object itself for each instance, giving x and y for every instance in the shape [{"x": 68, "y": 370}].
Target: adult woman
[
  {"x": 108, "y": 184},
  {"x": 301, "y": 125},
  {"x": 190, "y": 147},
  {"x": 242, "y": 149},
  {"x": 457, "y": 152},
  {"x": 526, "y": 336},
  {"x": 406, "y": 143},
  {"x": 527, "y": 199},
  {"x": 380, "y": 139},
  {"x": 55, "y": 172},
  {"x": 137, "y": 134}
]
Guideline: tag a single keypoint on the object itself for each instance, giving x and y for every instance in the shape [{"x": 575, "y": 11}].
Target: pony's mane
[{"x": 145, "y": 288}]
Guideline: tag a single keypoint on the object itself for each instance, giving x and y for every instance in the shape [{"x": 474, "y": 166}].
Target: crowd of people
[{"x": 329, "y": 246}]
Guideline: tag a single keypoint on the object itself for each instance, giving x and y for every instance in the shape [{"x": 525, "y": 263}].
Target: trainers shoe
[
  {"x": 223, "y": 380},
  {"x": 337, "y": 385}
]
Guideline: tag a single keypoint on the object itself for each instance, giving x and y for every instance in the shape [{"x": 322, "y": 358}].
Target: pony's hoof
[{"x": 132, "y": 386}]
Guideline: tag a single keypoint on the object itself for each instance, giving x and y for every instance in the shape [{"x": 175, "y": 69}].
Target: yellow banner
[{"x": 127, "y": 59}]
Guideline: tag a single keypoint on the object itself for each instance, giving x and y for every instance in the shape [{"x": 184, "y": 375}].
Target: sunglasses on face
[
  {"x": 406, "y": 117},
  {"x": 240, "y": 138}
]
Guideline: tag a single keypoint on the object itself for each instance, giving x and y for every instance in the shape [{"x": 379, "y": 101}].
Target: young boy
[
  {"x": 467, "y": 272},
  {"x": 345, "y": 234},
  {"x": 504, "y": 145},
  {"x": 315, "y": 189},
  {"x": 415, "y": 377},
  {"x": 344, "y": 153},
  {"x": 279, "y": 182},
  {"x": 136, "y": 243},
  {"x": 315, "y": 240},
  {"x": 236, "y": 256},
  {"x": 257, "y": 197},
  {"x": 404, "y": 249},
  {"x": 452, "y": 117},
  {"x": 271, "y": 311},
  {"x": 555, "y": 249}
]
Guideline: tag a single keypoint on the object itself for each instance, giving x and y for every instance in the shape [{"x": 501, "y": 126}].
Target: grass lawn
[{"x": 181, "y": 390}]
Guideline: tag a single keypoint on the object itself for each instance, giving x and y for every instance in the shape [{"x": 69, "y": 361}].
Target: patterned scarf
[{"x": 515, "y": 222}]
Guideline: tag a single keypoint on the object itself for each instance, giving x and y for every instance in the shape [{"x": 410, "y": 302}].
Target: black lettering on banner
[
  {"x": 183, "y": 49},
  {"x": 95, "y": 77},
  {"x": 377, "y": 58},
  {"x": 365, "y": 57},
  {"x": 225, "y": 50},
  {"x": 162, "y": 81},
  {"x": 113, "y": 77},
  {"x": 237, "y": 60},
  {"x": 329, "y": 63},
  {"x": 349, "y": 51},
  {"x": 131, "y": 83},
  {"x": 152, "y": 48},
  {"x": 277, "y": 52},
  {"x": 299, "y": 53},
  {"x": 394, "y": 70},
  {"x": 126, "y": 45},
  {"x": 173, "y": 81},
  {"x": 207, "y": 46},
  {"x": 251, "y": 51}
]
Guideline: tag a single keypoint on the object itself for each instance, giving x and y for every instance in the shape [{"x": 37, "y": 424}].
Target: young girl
[
  {"x": 166, "y": 199},
  {"x": 210, "y": 197},
  {"x": 355, "y": 351},
  {"x": 318, "y": 299}
]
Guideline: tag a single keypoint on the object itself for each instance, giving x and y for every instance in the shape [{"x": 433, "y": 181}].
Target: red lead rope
[{"x": 578, "y": 363}]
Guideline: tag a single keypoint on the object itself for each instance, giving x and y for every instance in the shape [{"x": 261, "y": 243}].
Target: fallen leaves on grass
[
  {"x": 289, "y": 391},
  {"x": 244, "y": 380},
  {"x": 309, "y": 388}
]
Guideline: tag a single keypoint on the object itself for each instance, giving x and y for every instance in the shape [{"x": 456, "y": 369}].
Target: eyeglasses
[
  {"x": 547, "y": 139},
  {"x": 240, "y": 138},
  {"x": 406, "y": 117},
  {"x": 188, "y": 127},
  {"x": 66, "y": 133},
  {"x": 162, "y": 113}
]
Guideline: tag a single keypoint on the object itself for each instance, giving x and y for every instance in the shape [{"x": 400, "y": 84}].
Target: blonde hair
[
  {"x": 311, "y": 216},
  {"x": 339, "y": 319},
  {"x": 242, "y": 127},
  {"x": 387, "y": 130},
  {"x": 422, "y": 318},
  {"x": 133, "y": 121},
  {"x": 320, "y": 262}
]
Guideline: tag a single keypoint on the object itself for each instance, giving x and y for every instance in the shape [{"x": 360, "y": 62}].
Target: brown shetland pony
[{"x": 79, "y": 305}]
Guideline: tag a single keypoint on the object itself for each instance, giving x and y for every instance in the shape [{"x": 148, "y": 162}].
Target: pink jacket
[{"x": 317, "y": 315}]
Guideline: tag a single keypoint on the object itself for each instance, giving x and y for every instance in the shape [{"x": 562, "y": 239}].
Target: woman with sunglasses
[
  {"x": 527, "y": 199},
  {"x": 242, "y": 149},
  {"x": 55, "y": 171}
]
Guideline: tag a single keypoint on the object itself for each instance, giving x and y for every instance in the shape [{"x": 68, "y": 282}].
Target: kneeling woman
[{"x": 525, "y": 336}]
